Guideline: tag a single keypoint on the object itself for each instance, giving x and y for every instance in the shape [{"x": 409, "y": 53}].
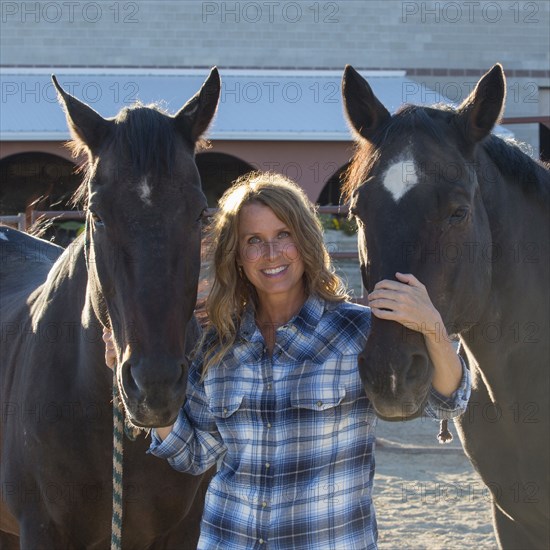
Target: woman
[{"x": 274, "y": 394}]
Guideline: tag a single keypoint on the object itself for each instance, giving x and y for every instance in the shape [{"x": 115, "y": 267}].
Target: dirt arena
[{"x": 428, "y": 496}]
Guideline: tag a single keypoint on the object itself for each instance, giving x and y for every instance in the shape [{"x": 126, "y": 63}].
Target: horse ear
[
  {"x": 195, "y": 116},
  {"x": 482, "y": 109},
  {"x": 85, "y": 124},
  {"x": 363, "y": 110}
]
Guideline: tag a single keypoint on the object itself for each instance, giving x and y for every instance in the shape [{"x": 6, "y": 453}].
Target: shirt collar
[{"x": 304, "y": 322}]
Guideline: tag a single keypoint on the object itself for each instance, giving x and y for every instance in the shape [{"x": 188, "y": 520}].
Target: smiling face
[{"x": 269, "y": 255}]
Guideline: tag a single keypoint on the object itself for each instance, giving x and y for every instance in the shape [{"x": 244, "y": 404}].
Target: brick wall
[{"x": 369, "y": 34}]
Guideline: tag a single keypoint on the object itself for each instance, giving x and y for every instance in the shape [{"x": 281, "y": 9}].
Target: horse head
[
  {"x": 413, "y": 188},
  {"x": 142, "y": 241}
]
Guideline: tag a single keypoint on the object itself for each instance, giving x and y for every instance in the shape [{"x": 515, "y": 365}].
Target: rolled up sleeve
[
  {"x": 194, "y": 444},
  {"x": 442, "y": 407}
]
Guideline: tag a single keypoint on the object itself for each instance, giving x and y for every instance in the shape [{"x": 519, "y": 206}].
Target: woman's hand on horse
[
  {"x": 110, "y": 353},
  {"x": 407, "y": 302}
]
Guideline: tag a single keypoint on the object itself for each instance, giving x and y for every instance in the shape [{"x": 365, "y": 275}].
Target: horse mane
[
  {"x": 506, "y": 154},
  {"x": 146, "y": 133},
  {"x": 514, "y": 163}
]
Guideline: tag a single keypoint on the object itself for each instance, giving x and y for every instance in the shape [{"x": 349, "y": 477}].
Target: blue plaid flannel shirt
[{"x": 293, "y": 434}]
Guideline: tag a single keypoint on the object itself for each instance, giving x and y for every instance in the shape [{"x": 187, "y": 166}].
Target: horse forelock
[
  {"x": 412, "y": 123},
  {"x": 402, "y": 130},
  {"x": 144, "y": 139}
]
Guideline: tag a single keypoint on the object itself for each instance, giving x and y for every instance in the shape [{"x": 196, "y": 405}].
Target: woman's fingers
[
  {"x": 409, "y": 279},
  {"x": 110, "y": 352},
  {"x": 405, "y": 301},
  {"x": 382, "y": 303},
  {"x": 386, "y": 284},
  {"x": 403, "y": 278}
]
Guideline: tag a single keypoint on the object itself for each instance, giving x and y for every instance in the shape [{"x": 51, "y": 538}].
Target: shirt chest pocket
[
  {"x": 315, "y": 397},
  {"x": 225, "y": 406}
]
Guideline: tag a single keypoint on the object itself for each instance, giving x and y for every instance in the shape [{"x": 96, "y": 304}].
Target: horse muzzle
[
  {"x": 153, "y": 390},
  {"x": 396, "y": 377}
]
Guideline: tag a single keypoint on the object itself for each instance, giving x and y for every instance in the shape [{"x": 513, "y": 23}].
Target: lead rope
[
  {"x": 118, "y": 431},
  {"x": 118, "y": 437}
]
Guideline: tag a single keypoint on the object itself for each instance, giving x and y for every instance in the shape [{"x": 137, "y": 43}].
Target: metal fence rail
[{"x": 18, "y": 220}]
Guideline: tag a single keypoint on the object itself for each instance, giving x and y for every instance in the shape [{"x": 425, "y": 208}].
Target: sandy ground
[{"x": 428, "y": 496}]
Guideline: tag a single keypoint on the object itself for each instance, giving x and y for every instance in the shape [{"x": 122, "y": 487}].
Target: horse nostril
[
  {"x": 183, "y": 376},
  {"x": 417, "y": 369},
  {"x": 366, "y": 374},
  {"x": 128, "y": 380}
]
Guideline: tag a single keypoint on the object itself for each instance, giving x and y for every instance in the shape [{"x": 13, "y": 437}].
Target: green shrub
[{"x": 338, "y": 223}]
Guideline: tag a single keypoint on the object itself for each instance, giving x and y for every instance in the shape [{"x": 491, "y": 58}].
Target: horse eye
[
  {"x": 97, "y": 220},
  {"x": 459, "y": 215}
]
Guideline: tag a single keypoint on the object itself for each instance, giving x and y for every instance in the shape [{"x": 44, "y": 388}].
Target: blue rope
[{"x": 118, "y": 437}]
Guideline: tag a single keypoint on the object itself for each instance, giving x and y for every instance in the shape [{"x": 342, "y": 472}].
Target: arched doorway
[
  {"x": 38, "y": 180},
  {"x": 330, "y": 195},
  {"x": 218, "y": 171}
]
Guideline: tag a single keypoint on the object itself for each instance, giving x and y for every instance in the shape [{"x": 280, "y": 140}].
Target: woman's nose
[{"x": 270, "y": 249}]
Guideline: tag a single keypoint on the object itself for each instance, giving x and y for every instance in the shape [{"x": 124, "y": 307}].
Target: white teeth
[{"x": 275, "y": 270}]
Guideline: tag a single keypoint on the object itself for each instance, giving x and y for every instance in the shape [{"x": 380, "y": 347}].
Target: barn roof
[{"x": 254, "y": 104}]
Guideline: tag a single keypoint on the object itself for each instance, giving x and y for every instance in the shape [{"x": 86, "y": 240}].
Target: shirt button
[
  {"x": 225, "y": 411},
  {"x": 269, "y": 424},
  {"x": 319, "y": 403},
  {"x": 269, "y": 386},
  {"x": 267, "y": 464},
  {"x": 264, "y": 504},
  {"x": 261, "y": 541}
]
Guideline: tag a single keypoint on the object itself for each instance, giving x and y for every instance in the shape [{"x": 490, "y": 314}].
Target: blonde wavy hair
[{"x": 231, "y": 291}]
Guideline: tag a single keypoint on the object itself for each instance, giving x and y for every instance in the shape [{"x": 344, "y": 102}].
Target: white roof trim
[
  {"x": 121, "y": 71},
  {"x": 263, "y": 105},
  {"x": 222, "y": 136}
]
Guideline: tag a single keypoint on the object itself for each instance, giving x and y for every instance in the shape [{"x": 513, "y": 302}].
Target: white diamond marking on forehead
[
  {"x": 144, "y": 191},
  {"x": 400, "y": 177}
]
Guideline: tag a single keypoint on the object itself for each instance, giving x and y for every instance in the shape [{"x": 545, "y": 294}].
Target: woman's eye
[
  {"x": 284, "y": 235},
  {"x": 254, "y": 240}
]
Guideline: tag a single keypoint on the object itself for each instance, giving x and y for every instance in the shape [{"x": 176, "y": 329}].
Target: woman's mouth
[{"x": 274, "y": 271}]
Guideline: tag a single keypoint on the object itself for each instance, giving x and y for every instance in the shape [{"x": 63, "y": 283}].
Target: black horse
[
  {"x": 468, "y": 214},
  {"x": 136, "y": 271}
]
